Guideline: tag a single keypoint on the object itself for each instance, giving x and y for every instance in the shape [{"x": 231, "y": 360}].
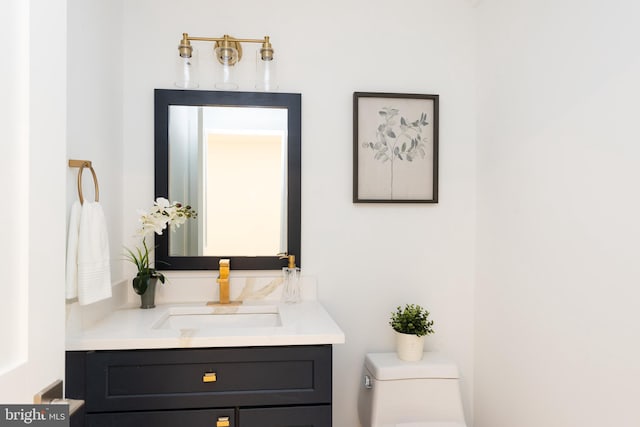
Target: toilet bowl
[{"x": 395, "y": 393}]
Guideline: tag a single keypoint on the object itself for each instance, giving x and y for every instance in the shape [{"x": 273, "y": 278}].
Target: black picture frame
[{"x": 395, "y": 147}]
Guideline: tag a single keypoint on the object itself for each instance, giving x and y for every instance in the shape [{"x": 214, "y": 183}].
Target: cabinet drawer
[
  {"x": 302, "y": 416},
  {"x": 191, "y": 418},
  {"x": 207, "y": 378}
]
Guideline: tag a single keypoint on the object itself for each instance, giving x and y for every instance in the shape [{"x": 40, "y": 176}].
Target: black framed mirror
[{"x": 235, "y": 158}]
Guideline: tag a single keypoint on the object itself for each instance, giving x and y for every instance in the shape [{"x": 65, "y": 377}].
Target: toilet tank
[{"x": 395, "y": 392}]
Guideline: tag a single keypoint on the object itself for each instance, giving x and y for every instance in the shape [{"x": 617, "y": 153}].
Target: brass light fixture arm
[
  {"x": 222, "y": 39},
  {"x": 266, "y": 51}
]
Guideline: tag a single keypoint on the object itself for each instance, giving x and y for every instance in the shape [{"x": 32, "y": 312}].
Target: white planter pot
[{"x": 409, "y": 347}]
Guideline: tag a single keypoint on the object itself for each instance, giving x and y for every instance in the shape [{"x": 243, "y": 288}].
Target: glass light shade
[
  {"x": 187, "y": 71},
  {"x": 266, "y": 78},
  {"x": 225, "y": 78}
]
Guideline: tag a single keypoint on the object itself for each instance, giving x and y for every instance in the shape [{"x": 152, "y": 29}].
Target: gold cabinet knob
[
  {"x": 222, "y": 422},
  {"x": 209, "y": 377}
]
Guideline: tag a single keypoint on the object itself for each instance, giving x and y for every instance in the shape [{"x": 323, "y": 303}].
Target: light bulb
[
  {"x": 266, "y": 74},
  {"x": 187, "y": 71},
  {"x": 226, "y": 59}
]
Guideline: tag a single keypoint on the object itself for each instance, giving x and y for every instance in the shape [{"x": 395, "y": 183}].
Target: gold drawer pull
[
  {"x": 222, "y": 422},
  {"x": 209, "y": 377}
]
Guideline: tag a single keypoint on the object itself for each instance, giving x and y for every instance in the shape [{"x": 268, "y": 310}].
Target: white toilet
[{"x": 395, "y": 393}]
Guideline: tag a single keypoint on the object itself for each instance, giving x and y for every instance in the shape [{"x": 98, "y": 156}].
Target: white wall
[
  {"x": 557, "y": 293},
  {"x": 94, "y": 106},
  {"x": 367, "y": 258},
  {"x": 33, "y": 78},
  {"x": 14, "y": 176}
]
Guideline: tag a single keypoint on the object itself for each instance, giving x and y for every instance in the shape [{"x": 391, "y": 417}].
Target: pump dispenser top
[{"x": 291, "y": 281}]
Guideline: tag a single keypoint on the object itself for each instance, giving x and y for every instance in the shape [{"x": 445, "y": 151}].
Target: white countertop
[{"x": 305, "y": 323}]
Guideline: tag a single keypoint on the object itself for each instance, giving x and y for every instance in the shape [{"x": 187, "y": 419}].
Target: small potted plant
[
  {"x": 411, "y": 324},
  {"x": 162, "y": 214}
]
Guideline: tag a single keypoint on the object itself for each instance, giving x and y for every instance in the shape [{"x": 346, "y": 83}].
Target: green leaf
[
  {"x": 404, "y": 147},
  {"x": 413, "y": 319}
]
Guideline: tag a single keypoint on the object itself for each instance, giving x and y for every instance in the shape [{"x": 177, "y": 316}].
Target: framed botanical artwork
[{"x": 395, "y": 148}]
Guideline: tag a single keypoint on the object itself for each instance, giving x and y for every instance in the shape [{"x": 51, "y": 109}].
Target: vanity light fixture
[{"x": 228, "y": 52}]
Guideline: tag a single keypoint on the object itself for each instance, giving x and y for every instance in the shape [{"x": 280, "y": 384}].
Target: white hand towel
[
  {"x": 72, "y": 251},
  {"x": 94, "y": 272}
]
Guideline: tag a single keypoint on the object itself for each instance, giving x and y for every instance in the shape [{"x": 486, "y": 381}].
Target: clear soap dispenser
[{"x": 291, "y": 282}]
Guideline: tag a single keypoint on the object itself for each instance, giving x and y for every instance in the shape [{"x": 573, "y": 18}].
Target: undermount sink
[{"x": 220, "y": 316}]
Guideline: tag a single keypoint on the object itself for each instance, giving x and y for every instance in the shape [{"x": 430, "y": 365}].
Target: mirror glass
[
  {"x": 235, "y": 158},
  {"x": 230, "y": 164}
]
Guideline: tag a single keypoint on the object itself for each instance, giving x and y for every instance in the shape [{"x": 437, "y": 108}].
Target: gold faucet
[{"x": 223, "y": 281}]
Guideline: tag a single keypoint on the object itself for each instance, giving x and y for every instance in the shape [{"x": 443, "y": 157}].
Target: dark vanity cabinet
[{"x": 212, "y": 387}]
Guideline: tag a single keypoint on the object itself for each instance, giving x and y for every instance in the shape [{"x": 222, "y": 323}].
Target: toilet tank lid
[
  {"x": 387, "y": 366},
  {"x": 431, "y": 424}
]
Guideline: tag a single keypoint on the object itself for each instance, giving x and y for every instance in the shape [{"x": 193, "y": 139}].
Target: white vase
[{"x": 409, "y": 347}]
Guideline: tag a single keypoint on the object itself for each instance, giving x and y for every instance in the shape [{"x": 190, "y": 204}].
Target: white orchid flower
[
  {"x": 162, "y": 202},
  {"x": 161, "y": 215}
]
